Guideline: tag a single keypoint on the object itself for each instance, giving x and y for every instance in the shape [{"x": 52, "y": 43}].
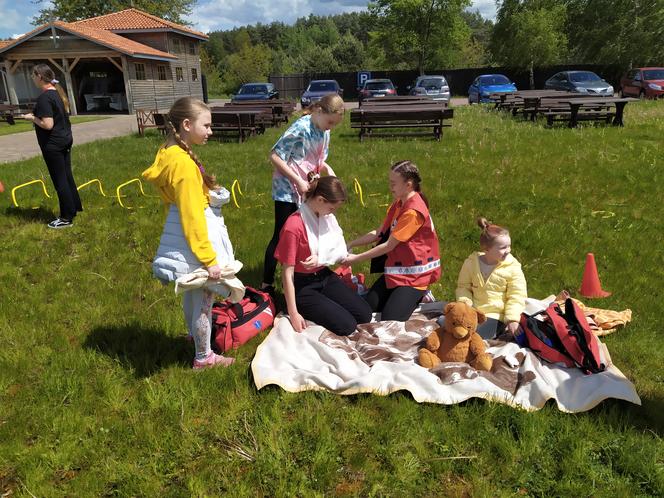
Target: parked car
[
  {"x": 317, "y": 89},
  {"x": 435, "y": 87},
  {"x": 643, "y": 82},
  {"x": 486, "y": 84},
  {"x": 255, "y": 91},
  {"x": 580, "y": 82},
  {"x": 376, "y": 88}
]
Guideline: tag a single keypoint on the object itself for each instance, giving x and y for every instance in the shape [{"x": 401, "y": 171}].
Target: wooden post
[
  {"x": 70, "y": 90},
  {"x": 127, "y": 84},
  {"x": 11, "y": 86}
]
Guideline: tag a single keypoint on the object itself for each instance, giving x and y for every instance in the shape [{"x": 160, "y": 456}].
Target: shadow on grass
[
  {"x": 39, "y": 214},
  {"x": 145, "y": 350}
]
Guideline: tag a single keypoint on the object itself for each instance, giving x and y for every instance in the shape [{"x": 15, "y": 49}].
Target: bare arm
[
  {"x": 365, "y": 239},
  {"x": 287, "y": 273},
  {"x": 45, "y": 123},
  {"x": 374, "y": 252},
  {"x": 282, "y": 167}
]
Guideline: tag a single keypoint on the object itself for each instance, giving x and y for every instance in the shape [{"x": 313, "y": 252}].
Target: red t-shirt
[{"x": 293, "y": 246}]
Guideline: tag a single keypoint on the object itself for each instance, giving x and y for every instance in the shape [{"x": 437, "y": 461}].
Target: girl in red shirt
[{"x": 309, "y": 240}]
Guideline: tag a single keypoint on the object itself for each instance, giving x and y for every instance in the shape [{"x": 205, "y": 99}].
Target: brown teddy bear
[{"x": 457, "y": 340}]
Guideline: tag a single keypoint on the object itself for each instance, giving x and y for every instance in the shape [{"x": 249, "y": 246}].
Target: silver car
[
  {"x": 580, "y": 82},
  {"x": 435, "y": 87}
]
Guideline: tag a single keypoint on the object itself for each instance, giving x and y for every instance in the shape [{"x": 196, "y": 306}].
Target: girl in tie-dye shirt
[{"x": 300, "y": 150}]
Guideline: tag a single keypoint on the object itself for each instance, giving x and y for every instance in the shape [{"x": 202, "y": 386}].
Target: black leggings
[
  {"x": 282, "y": 210},
  {"x": 58, "y": 163},
  {"x": 324, "y": 299},
  {"x": 397, "y": 303}
]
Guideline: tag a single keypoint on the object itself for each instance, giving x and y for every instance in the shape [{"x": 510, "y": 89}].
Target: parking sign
[{"x": 362, "y": 76}]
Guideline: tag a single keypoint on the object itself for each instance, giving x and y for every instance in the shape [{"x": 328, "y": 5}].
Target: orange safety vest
[{"x": 415, "y": 263}]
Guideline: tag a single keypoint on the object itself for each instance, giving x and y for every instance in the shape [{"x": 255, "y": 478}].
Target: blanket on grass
[{"x": 380, "y": 358}]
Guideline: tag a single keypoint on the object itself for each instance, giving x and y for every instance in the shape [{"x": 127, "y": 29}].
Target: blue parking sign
[{"x": 363, "y": 76}]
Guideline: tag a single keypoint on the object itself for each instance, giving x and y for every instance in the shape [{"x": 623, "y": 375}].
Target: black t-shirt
[{"x": 49, "y": 105}]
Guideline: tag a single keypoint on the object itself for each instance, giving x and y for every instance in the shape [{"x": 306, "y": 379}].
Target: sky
[{"x": 215, "y": 15}]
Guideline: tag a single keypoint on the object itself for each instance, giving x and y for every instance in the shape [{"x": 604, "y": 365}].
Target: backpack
[
  {"x": 233, "y": 324},
  {"x": 563, "y": 337}
]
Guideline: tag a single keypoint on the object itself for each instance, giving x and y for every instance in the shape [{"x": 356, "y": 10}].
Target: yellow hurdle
[
  {"x": 236, "y": 183},
  {"x": 25, "y": 185},
  {"x": 358, "y": 190},
  {"x": 96, "y": 180},
  {"x": 133, "y": 180}
]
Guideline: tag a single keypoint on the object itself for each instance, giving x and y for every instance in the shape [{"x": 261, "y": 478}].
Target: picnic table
[
  {"x": 269, "y": 114},
  {"x": 242, "y": 122},
  {"x": 369, "y": 118},
  {"x": 420, "y": 102},
  {"x": 596, "y": 108},
  {"x": 150, "y": 118},
  {"x": 393, "y": 99},
  {"x": 8, "y": 113}
]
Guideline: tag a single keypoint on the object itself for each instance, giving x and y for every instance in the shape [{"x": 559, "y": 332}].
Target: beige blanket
[{"x": 380, "y": 358}]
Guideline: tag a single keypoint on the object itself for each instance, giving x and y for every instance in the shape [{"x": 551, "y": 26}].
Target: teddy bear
[{"x": 457, "y": 340}]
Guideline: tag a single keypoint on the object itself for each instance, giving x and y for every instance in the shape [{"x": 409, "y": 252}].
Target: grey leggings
[{"x": 197, "y": 306}]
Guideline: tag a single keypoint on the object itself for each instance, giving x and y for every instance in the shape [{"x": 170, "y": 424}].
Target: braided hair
[
  {"x": 329, "y": 188},
  {"x": 409, "y": 172},
  {"x": 188, "y": 108},
  {"x": 490, "y": 232}
]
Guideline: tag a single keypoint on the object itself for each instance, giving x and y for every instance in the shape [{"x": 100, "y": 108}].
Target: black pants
[
  {"x": 324, "y": 299},
  {"x": 58, "y": 163},
  {"x": 282, "y": 210},
  {"x": 397, "y": 303}
]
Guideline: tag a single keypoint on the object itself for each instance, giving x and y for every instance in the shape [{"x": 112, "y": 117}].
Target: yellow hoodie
[
  {"x": 502, "y": 296},
  {"x": 180, "y": 182}
]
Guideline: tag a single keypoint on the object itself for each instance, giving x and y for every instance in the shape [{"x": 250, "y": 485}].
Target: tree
[
  {"x": 529, "y": 32},
  {"x": 211, "y": 72},
  {"x": 349, "y": 53},
  {"x": 251, "y": 63},
  {"x": 75, "y": 10},
  {"x": 409, "y": 30}
]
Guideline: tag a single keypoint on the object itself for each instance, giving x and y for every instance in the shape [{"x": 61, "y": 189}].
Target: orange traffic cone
[{"x": 591, "y": 286}]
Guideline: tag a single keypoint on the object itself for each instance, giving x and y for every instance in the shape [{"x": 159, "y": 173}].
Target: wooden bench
[
  {"x": 393, "y": 99},
  {"x": 266, "y": 115},
  {"x": 240, "y": 122},
  {"x": 607, "y": 109},
  {"x": 285, "y": 108},
  {"x": 400, "y": 117},
  {"x": 8, "y": 113},
  {"x": 150, "y": 118}
]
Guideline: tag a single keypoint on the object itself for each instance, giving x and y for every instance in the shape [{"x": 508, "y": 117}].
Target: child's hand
[
  {"x": 214, "y": 271},
  {"x": 512, "y": 328},
  {"x": 311, "y": 262},
  {"x": 302, "y": 186},
  {"x": 349, "y": 260},
  {"x": 29, "y": 116},
  {"x": 298, "y": 322}
]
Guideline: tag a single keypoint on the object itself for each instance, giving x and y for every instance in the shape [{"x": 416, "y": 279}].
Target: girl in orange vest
[{"x": 407, "y": 251}]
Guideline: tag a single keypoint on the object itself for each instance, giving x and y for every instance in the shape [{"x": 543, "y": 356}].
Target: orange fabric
[{"x": 408, "y": 223}]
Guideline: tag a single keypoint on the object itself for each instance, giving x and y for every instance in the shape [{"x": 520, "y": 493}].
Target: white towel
[
  {"x": 326, "y": 238},
  {"x": 227, "y": 285}
]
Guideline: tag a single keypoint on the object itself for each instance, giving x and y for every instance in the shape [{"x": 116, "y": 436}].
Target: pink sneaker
[{"x": 213, "y": 360}]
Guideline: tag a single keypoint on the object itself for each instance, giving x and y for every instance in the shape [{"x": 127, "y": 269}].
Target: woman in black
[{"x": 51, "y": 119}]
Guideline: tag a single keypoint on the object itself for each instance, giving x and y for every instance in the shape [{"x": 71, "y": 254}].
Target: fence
[{"x": 291, "y": 86}]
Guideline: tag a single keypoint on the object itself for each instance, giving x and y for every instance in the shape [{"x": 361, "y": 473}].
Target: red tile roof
[
  {"x": 136, "y": 20},
  {"x": 5, "y": 42}
]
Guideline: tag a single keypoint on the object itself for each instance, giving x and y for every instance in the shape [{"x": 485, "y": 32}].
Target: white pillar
[
  {"x": 127, "y": 84},
  {"x": 11, "y": 85},
  {"x": 70, "y": 89}
]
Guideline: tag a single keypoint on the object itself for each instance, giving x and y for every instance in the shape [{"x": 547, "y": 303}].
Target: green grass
[
  {"x": 22, "y": 125},
  {"x": 96, "y": 393}
]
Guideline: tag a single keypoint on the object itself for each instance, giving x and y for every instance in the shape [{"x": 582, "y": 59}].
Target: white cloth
[
  {"x": 226, "y": 285},
  {"x": 326, "y": 238},
  {"x": 218, "y": 198},
  {"x": 380, "y": 358},
  {"x": 174, "y": 256}
]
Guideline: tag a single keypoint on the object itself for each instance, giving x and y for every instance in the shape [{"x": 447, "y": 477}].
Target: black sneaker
[{"x": 60, "y": 223}]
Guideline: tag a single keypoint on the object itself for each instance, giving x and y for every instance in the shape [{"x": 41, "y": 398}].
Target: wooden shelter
[{"x": 117, "y": 62}]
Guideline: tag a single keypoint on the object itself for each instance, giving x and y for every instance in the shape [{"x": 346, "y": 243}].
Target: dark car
[
  {"x": 317, "y": 89},
  {"x": 643, "y": 82},
  {"x": 580, "y": 82},
  {"x": 484, "y": 85},
  {"x": 255, "y": 91},
  {"x": 434, "y": 87},
  {"x": 376, "y": 88}
]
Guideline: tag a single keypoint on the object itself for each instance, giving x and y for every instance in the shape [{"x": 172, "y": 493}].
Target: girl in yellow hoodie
[
  {"x": 193, "y": 236},
  {"x": 492, "y": 281}
]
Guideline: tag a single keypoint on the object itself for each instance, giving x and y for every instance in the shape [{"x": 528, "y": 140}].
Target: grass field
[
  {"x": 22, "y": 125},
  {"x": 97, "y": 397}
]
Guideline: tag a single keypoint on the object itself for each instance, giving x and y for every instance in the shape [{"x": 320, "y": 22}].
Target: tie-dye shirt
[{"x": 304, "y": 148}]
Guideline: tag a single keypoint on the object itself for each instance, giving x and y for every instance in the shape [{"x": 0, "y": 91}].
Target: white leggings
[{"x": 197, "y": 306}]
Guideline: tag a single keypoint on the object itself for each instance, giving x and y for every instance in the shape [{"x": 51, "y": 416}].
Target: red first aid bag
[
  {"x": 233, "y": 324},
  {"x": 355, "y": 282}
]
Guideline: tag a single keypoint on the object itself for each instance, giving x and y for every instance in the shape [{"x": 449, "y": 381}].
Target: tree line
[{"x": 414, "y": 34}]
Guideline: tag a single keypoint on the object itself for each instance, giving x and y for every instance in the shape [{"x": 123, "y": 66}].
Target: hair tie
[
  {"x": 54, "y": 81},
  {"x": 315, "y": 176}
]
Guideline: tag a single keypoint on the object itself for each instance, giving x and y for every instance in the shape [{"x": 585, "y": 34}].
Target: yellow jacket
[
  {"x": 502, "y": 296},
  {"x": 180, "y": 182}
]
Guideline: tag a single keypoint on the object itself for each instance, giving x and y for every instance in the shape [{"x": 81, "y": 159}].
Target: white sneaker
[{"x": 60, "y": 223}]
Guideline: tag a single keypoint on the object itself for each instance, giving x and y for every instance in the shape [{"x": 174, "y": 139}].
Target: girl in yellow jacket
[
  {"x": 193, "y": 236},
  {"x": 492, "y": 281}
]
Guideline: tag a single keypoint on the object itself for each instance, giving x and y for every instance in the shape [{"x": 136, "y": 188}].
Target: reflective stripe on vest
[{"x": 412, "y": 270}]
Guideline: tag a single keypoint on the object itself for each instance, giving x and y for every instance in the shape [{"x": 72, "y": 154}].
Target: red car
[{"x": 643, "y": 82}]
